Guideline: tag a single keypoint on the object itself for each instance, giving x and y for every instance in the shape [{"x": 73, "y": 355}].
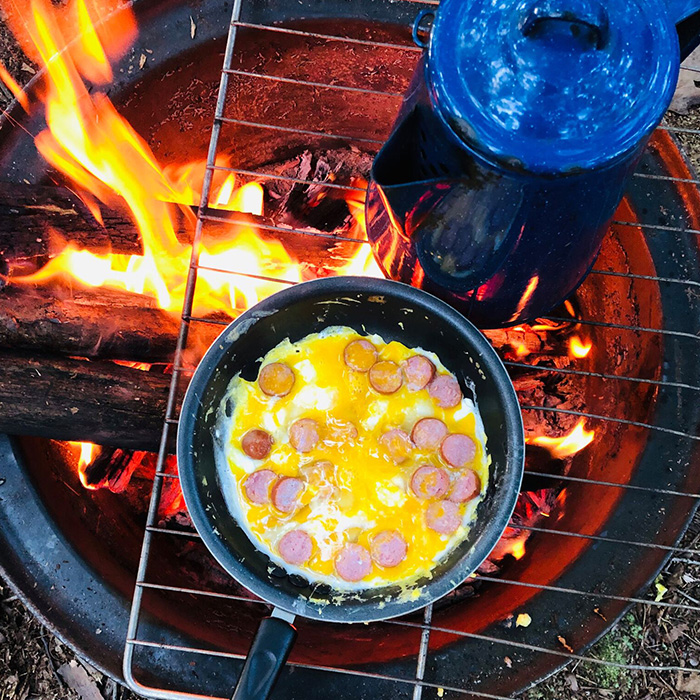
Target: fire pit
[{"x": 607, "y": 383}]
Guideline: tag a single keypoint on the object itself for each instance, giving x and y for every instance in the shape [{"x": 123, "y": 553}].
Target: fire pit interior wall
[{"x": 171, "y": 105}]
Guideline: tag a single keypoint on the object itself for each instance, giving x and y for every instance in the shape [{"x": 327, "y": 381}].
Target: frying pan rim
[{"x": 370, "y": 611}]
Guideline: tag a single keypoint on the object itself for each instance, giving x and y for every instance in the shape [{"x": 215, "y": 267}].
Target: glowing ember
[
  {"x": 567, "y": 445},
  {"x": 88, "y": 141},
  {"x": 579, "y": 348}
]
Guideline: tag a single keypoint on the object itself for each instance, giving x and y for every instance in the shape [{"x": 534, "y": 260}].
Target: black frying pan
[{"x": 396, "y": 312}]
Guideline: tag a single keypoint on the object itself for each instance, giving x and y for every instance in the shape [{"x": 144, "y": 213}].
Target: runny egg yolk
[{"x": 356, "y": 479}]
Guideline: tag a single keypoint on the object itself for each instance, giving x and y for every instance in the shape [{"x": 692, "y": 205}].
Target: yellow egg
[{"x": 356, "y": 484}]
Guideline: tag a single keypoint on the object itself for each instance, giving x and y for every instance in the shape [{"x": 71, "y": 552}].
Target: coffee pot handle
[
  {"x": 422, "y": 16},
  {"x": 686, "y": 16}
]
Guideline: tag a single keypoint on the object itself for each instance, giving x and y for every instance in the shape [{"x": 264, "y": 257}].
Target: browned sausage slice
[
  {"x": 276, "y": 379},
  {"x": 353, "y": 562},
  {"x": 465, "y": 487},
  {"x": 257, "y": 486},
  {"x": 418, "y": 371},
  {"x": 257, "y": 443},
  {"x": 388, "y": 548},
  {"x": 304, "y": 434},
  {"x": 445, "y": 390},
  {"x": 360, "y": 355},
  {"x": 458, "y": 450},
  {"x": 429, "y": 481},
  {"x": 385, "y": 377},
  {"x": 428, "y": 433},
  {"x": 295, "y": 547},
  {"x": 397, "y": 444},
  {"x": 286, "y": 492},
  {"x": 443, "y": 517}
]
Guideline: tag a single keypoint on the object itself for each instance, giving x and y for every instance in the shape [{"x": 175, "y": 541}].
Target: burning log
[
  {"x": 29, "y": 212},
  {"x": 69, "y": 399},
  {"x": 97, "y": 323}
]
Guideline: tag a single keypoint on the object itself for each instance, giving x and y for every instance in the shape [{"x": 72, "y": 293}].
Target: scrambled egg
[{"x": 367, "y": 492}]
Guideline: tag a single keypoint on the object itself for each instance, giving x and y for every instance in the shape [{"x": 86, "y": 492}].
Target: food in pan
[{"x": 355, "y": 462}]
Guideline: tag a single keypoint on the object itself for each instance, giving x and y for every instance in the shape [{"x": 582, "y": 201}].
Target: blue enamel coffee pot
[{"x": 514, "y": 143}]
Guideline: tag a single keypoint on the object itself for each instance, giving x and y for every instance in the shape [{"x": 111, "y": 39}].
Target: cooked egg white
[{"x": 368, "y": 492}]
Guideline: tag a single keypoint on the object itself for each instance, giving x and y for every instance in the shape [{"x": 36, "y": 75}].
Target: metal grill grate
[{"x": 418, "y": 682}]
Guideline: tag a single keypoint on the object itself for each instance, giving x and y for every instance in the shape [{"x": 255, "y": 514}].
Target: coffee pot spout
[{"x": 686, "y": 16}]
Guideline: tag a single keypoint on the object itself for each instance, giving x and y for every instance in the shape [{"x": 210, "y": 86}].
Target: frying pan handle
[{"x": 268, "y": 654}]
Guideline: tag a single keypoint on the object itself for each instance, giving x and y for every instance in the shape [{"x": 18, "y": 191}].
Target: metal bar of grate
[
  {"x": 307, "y": 83},
  {"x": 303, "y": 132},
  {"x": 426, "y": 627},
  {"x": 328, "y": 37},
  {"x": 611, "y": 419}
]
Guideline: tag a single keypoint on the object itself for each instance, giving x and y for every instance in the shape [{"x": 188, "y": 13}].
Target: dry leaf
[
  {"x": 193, "y": 27},
  {"x": 565, "y": 644},
  {"x": 78, "y": 679},
  {"x": 676, "y": 632},
  {"x": 573, "y": 682},
  {"x": 523, "y": 620},
  {"x": 142, "y": 61},
  {"x": 600, "y": 614},
  {"x": 28, "y": 69},
  {"x": 691, "y": 684}
]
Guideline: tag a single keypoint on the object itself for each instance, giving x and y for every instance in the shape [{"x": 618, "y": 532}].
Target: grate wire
[{"x": 205, "y": 216}]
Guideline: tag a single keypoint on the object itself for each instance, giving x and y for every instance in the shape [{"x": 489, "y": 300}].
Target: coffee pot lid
[{"x": 552, "y": 85}]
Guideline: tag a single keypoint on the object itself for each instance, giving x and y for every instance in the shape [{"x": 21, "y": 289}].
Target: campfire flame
[
  {"x": 579, "y": 348},
  {"x": 568, "y": 444},
  {"x": 111, "y": 166},
  {"x": 88, "y": 141},
  {"x": 87, "y": 452}
]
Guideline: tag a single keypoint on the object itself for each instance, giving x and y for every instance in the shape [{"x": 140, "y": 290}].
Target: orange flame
[
  {"x": 14, "y": 88},
  {"x": 87, "y": 140},
  {"x": 87, "y": 452},
  {"x": 566, "y": 445},
  {"x": 521, "y": 349},
  {"x": 579, "y": 348}
]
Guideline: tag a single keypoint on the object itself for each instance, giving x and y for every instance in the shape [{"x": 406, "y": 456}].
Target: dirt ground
[{"x": 35, "y": 665}]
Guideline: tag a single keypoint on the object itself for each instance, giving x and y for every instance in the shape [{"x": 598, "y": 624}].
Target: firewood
[
  {"x": 90, "y": 401},
  {"x": 30, "y": 215},
  {"x": 94, "y": 323}
]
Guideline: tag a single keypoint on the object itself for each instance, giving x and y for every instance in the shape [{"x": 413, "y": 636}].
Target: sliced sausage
[
  {"x": 458, "y": 450},
  {"x": 353, "y": 562},
  {"x": 360, "y": 355},
  {"x": 443, "y": 517},
  {"x": 258, "y": 484},
  {"x": 428, "y": 433},
  {"x": 257, "y": 443},
  {"x": 388, "y": 548},
  {"x": 397, "y": 444},
  {"x": 429, "y": 481},
  {"x": 385, "y": 377},
  {"x": 286, "y": 493},
  {"x": 304, "y": 434},
  {"x": 295, "y": 547},
  {"x": 444, "y": 389},
  {"x": 276, "y": 379},
  {"x": 418, "y": 371},
  {"x": 466, "y": 486}
]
